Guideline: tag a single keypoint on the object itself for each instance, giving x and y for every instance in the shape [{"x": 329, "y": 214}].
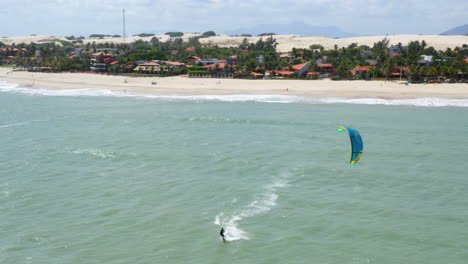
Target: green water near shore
[{"x": 138, "y": 180}]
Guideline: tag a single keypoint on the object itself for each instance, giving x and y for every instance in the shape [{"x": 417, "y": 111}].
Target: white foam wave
[
  {"x": 262, "y": 203},
  {"x": 13, "y": 125},
  {"x": 32, "y": 121},
  {"x": 93, "y": 152},
  {"x": 4, "y": 191},
  {"x": 431, "y": 102}
]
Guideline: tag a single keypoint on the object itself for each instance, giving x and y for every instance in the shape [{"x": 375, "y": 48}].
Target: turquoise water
[{"x": 124, "y": 179}]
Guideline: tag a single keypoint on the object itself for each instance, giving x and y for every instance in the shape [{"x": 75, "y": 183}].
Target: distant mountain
[
  {"x": 461, "y": 30},
  {"x": 296, "y": 28}
]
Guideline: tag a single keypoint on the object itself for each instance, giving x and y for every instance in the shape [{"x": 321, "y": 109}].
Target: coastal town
[{"x": 192, "y": 57}]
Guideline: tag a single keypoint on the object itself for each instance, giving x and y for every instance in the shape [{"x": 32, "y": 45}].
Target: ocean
[{"x": 94, "y": 176}]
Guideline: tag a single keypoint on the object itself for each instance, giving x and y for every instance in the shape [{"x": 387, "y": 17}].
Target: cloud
[{"x": 66, "y": 17}]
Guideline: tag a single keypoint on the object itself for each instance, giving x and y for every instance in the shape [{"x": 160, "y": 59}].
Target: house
[
  {"x": 150, "y": 67},
  {"x": 232, "y": 60},
  {"x": 256, "y": 75},
  {"x": 396, "y": 49},
  {"x": 300, "y": 69},
  {"x": 426, "y": 60},
  {"x": 285, "y": 56},
  {"x": 173, "y": 64},
  {"x": 194, "y": 59},
  {"x": 219, "y": 66},
  {"x": 326, "y": 67},
  {"x": 275, "y": 73},
  {"x": 322, "y": 60},
  {"x": 313, "y": 75},
  {"x": 399, "y": 71},
  {"x": 100, "y": 61},
  {"x": 9, "y": 51},
  {"x": 360, "y": 69},
  {"x": 209, "y": 61}
]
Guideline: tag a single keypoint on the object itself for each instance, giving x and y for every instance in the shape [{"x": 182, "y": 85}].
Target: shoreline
[{"x": 356, "y": 89}]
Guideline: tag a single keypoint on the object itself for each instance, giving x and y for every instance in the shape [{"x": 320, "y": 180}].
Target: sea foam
[{"x": 428, "y": 102}]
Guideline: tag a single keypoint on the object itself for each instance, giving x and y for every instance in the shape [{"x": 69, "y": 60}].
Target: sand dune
[{"x": 285, "y": 42}]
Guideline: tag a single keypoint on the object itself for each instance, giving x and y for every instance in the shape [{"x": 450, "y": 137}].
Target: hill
[
  {"x": 461, "y": 30},
  {"x": 285, "y": 42}
]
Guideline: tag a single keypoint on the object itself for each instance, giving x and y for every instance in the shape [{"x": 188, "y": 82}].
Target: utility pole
[{"x": 123, "y": 16}]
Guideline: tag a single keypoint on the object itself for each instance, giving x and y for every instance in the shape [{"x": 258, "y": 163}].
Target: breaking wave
[{"x": 430, "y": 102}]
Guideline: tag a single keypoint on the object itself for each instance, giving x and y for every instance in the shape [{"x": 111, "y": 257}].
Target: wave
[
  {"x": 430, "y": 102},
  {"x": 263, "y": 202},
  {"x": 94, "y": 152}
]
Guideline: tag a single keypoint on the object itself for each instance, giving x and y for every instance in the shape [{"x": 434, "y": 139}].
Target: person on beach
[{"x": 221, "y": 233}]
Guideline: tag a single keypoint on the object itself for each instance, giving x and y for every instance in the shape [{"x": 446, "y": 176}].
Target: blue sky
[{"x": 363, "y": 17}]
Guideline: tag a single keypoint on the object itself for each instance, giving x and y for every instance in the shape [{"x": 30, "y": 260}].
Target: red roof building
[
  {"x": 300, "y": 66},
  {"x": 280, "y": 73},
  {"x": 221, "y": 65},
  {"x": 174, "y": 64},
  {"x": 359, "y": 69},
  {"x": 256, "y": 74}
]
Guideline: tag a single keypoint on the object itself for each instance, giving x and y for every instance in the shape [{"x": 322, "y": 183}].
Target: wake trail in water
[
  {"x": 262, "y": 203},
  {"x": 28, "y": 122}
]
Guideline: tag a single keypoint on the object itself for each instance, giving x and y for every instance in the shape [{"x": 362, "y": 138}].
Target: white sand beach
[{"x": 199, "y": 86}]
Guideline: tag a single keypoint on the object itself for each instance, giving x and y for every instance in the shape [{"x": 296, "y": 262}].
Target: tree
[
  {"x": 208, "y": 34},
  {"x": 388, "y": 67},
  {"x": 316, "y": 46},
  {"x": 174, "y": 34}
]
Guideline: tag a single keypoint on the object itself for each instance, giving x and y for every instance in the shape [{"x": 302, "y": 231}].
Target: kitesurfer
[{"x": 221, "y": 233}]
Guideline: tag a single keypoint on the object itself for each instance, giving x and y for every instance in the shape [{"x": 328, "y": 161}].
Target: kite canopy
[{"x": 356, "y": 143}]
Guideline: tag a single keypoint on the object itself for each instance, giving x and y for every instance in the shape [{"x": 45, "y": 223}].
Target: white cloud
[{"x": 66, "y": 17}]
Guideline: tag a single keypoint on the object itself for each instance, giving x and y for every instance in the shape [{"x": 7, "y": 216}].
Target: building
[
  {"x": 173, "y": 64},
  {"x": 356, "y": 71},
  {"x": 150, "y": 67},
  {"x": 426, "y": 60},
  {"x": 100, "y": 61},
  {"x": 278, "y": 74},
  {"x": 256, "y": 75},
  {"x": 300, "y": 69},
  {"x": 218, "y": 66},
  {"x": 313, "y": 75},
  {"x": 194, "y": 59}
]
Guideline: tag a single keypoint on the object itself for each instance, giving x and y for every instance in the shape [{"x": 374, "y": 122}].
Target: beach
[{"x": 209, "y": 86}]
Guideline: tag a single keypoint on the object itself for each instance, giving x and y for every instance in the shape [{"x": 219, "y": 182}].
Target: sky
[{"x": 361, "y": 17}]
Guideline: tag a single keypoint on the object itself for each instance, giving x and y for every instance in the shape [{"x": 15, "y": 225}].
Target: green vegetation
[
  {"x": 144, "y": 35},
  {"x": 98, "y": 36},
  {"x": 208, "y": 34},
  {"x": 174, "y": 34},
  {"x": 406, "y": 62},
  {"x": 266, "y": 34}
]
